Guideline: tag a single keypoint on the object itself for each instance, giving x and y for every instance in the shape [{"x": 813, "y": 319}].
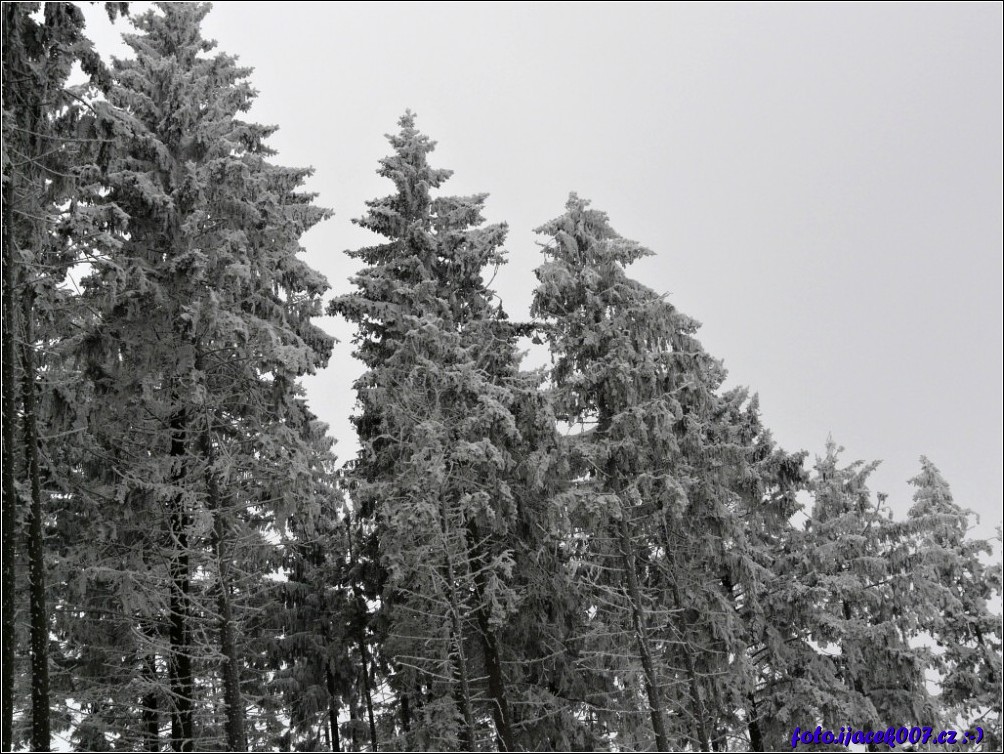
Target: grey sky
[{"x": 822, "y": 185}]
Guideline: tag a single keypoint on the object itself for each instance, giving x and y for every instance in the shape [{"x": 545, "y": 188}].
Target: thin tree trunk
[
  {"x": 718, "y": 740},
  {"x": 462, "y": 691},
  {"x": 752, "y": 715},
  {"x": 180, "y": 660},
  {"x": 496, "y": 685},
  {"x": 406, "y": 720},
  {"x": 493, "y": 663},
  {"x": 232, "y": 699},
  {"x": 336, "y": 744},
  {"x": 40, "y": 733},
  {"x": 10, "y": 528},
  {"x": 367, "y": 696},
  {"x": 236, "y": 733},
  {"x": 363, "y": 653},
  {"x": 641, "y": 639},
  {"x": 353, "y": 717},
  {"x": 756, "y": 735},
  {"x": 151, "y": 717},
  {"x": 695, "y": 692}
]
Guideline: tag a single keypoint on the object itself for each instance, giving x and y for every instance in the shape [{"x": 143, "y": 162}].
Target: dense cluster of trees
[{"x": 600, "y": 556}]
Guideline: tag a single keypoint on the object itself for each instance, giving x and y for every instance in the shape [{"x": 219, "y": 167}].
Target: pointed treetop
[
  {"x": 584, "y": 231},
  {"x": 947, "y": 521},
  {"x": 174, "y": 30},
  {"x": 408, "y": 167}
]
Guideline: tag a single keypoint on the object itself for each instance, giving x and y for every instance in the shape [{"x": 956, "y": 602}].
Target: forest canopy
[{"x": 609, "y": 553}]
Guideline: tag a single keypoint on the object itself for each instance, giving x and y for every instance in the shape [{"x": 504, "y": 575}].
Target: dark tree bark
[
  {"x": 10, "y": 528},
  {"x": 695, "y": 693},
  {"x": 151, "y": 715},
  {"x": 367, "y": 695},
  {"x": 353, "y": 717},
  {"x": 40, "y": 732},
  {"x": 756, "y": 736},
  {"x": 236, "y": 730},
  {"x": 406, "y": 715},
  {"x": 180, "y": 660},
  {"x": 462, "y": 686},
  {"x": 361, "y": 612},
  {"x": 641, "y": 640},
  {"x": 232, "y": 698},
  {"x": 336, "y": 744},
  {"x": 493, "y": 661},
  {"x": 496, "y": 684}
]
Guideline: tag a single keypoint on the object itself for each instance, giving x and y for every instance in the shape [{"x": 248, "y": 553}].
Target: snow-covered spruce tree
[
  {"x": 327, "y": 672},
  {"x": 48, "y": 141},
  {"x": 310, "y": 655},
  {"x": 852, "y": 568},
  {"x": 952, "y": 586},
  {"x": 202, "y": 446},
  {"x": 452, "y": 442},
  {"x": 800, "y": 676},
  {"x": 762, "y": 481},
  {"x": 664, "y": 481}
]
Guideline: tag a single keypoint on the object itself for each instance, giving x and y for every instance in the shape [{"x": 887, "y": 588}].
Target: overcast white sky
[{"x": 822, "y": 185}]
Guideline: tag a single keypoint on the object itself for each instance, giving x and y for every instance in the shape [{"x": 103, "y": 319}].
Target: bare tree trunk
[
  {"x": 695, "y": 692},
  {"x": 406, "y": 721},
  {"x": 756, "y": 736},
  {"x": 363, "y": 652},
  {"x": 462, "y": 692},
  {"x": 462, "y": 689},
  {"x": 493, "y": 662},
  {"x": 353, "y": 716},
  {"x": 236, "y": 732},
  {"x": 10, "y": 528},
  {"x": 718, "y": 740},
  {"x": 40, "y": 733},
  {"x": 151, "y": 717},
  {"x": 367, "y": 696},
  {"x": 336, "y": 744},
  {"x": 232, "y": 699},
  {"x": 180, "y": 659},
  {"x": 496, "y": 685},
  {"x": 641, "y": 640}
]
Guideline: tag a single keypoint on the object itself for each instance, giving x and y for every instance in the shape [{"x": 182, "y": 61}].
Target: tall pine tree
[
  {"x": 667, "y": 471},
  {"x": 452, "y": 435},
  {"x": 202, "y": 445},
  {"x": 49, "y": 146},
  {"x": 953, "y": 586}
]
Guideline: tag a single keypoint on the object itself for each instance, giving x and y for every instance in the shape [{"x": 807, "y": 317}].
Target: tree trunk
[
  {"x": 336, "y": 744},
  {"x": 180, "y": 660},
  {"x": 493, "y": 662},
  {"x": 353, "y": 717},
  {"x": 236, "y": 734},
  {"x": 151, "y": 717},
  {"x": 10, "y": 527},
  {"x": 641, "y": 640},
  {"x": 695, "y": 693},
  {"x": 40, "y": 733},
  {"x": 756, "y": 735},
  {"x": 406, "y": 720},
  {"x": 462, "y": 692},
  {"x": 232, "y": 699},
  {"x": 462, "y": 689},
  {"x": 496, "y": 685},
  {"x": 363, "y": 653},
  {"x": 367, "y": 696}
]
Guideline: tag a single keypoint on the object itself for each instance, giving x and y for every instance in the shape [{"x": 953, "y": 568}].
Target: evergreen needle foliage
[{"x": 611, "y": 554}]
